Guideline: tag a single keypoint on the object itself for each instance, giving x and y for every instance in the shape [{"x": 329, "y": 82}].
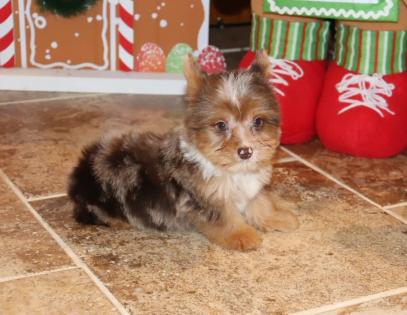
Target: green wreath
[{"x": 65, "y": 8}]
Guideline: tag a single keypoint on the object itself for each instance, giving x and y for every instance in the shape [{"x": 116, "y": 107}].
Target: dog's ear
[
  {"x": 261, "y": 64},
  {"x": 193, "y": 75}
]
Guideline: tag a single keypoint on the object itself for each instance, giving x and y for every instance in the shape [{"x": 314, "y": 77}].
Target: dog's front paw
[
  {"x": 284, "y": 221},
  {"x": 243, "y": 239}
]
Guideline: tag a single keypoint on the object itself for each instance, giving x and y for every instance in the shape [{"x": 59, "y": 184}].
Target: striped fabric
[
  {"x": 368, "y": 52},
  {"x": 290, "y": 40}
]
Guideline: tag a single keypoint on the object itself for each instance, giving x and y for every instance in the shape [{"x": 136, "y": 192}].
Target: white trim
[
  {"x": 68, "y": 250},
  {"x": 37, "y": 274},
  {"x": 91, "y": 81},
  {"x": 23, "y": 40},
  {"x": 351, "y": 13},
  {"x": 113, "y": 41},
  {"x": 203, "y": 35},
  {"x": 343, "y": 185},
  {"x": 359, "y": 300}
]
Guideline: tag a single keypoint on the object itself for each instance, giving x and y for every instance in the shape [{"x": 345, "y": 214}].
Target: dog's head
[{"x": 232, "y": 118}]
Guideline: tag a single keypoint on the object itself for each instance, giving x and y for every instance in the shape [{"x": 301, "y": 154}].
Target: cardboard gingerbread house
[{"x": 112, "y": 35}]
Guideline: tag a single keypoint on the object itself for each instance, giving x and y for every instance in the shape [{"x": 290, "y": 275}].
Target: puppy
[{"x": 210, "y": 175}]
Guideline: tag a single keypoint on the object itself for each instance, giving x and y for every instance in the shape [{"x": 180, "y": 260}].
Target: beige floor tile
[
  {"x": 15, "y": 96},
  {"x": 40, "y": 142},
  {"x": 344, "y": 249},
  {"x": 382, "y": 180},
  {"x": 25, "y": 246},
  {"x": 393, "y": 305},
  {"x": 400, "y": 211},
  {"x": 65, "y": 292}
]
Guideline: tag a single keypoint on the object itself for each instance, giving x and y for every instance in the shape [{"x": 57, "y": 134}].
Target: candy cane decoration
[
  {"x": 7, "y": 51},
  {"x": 126, "y": 35}
]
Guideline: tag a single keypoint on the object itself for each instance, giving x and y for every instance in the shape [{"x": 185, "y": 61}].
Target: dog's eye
[
  {"x": 221, "y": 126},
  {"x": 258, "y": 123}
]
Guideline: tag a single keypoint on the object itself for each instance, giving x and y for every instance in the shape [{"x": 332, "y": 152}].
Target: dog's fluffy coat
[{"x": 210, "y": 175}]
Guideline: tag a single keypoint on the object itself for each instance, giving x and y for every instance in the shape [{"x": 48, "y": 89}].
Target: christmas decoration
[
  {"x": 176, "y": 57},
  {"x": 211, "y": 60},
  {"x": 66, "y": 8},
  {"x": 7, "y": 50},
  {"x": 150, "y": 58},
  {"x": 126, "y": 35}
]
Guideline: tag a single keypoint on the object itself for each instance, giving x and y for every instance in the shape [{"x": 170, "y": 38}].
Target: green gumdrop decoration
[{"x": 175, "y": 59}]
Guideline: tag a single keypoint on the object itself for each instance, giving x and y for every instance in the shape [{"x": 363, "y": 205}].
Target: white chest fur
[
  {"x": 236, "y": 188},
  {"x": 239, "y": 188}
]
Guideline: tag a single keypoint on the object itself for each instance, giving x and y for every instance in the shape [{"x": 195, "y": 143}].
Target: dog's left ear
[
  {"x": 192, "y": 74},
  {"x": 261, "y": 64}
]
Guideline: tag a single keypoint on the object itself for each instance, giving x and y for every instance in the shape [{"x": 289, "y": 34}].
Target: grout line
[
  {"x": 359, "y": 300},
  {"x": 39, "y": 198},
  {"x": 401, "y": 204},
  {"x": 343, "y": 185},
  {"x": 76, "y": 259},
  {"x": 36, "y": 274},
  {"x": 287, "y": 159},
  {"x": 49, "y": 99}
]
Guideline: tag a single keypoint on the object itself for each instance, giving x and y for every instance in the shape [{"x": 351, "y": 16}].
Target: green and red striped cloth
[
  {"x": 290, "y": 40},
  {"x": 370, "y": 52},
  {"x": 357, "y": 50}
]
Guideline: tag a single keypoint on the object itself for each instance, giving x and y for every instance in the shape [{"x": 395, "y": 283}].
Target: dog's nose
[{"x": 245, "y": 153}]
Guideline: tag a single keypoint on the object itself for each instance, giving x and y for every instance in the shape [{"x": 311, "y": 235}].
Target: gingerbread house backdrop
[{"x": 128, "y": 35}]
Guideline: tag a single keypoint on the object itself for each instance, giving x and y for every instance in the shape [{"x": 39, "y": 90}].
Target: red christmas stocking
[{"x": 363, "y": 106}]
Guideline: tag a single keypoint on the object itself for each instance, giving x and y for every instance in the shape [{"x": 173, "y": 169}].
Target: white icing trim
[
  {"x": 351, "y": 13},
  {"x": 113, "y": 41},
  {"x": 23, "y": 40},
  {"x": 63, "y": 64},
  {"x": 203, "y": 34}
]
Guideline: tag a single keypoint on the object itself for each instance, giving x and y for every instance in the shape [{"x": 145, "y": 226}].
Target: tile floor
[{"x": 348, "y": 257}]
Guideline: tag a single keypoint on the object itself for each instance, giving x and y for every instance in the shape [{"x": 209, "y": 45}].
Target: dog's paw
[
  {"x": 243, "y": 239},
  {"x": 284, "y": 221}
]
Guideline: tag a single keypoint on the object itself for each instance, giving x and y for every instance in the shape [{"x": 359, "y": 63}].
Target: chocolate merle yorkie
[{"x": 211, "y": 175}]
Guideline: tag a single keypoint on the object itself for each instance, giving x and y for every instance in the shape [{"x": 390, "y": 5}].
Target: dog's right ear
[
  {"x": 261, "y": 64},
  {"x": 193, "y": 75}
]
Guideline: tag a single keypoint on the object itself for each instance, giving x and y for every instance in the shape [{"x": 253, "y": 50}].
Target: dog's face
[{"x": 232, "y": 118}]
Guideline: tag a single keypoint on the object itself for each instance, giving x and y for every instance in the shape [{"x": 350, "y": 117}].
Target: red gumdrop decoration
[
  {"x": 150, "y": 58},
  {"x": 211, "y": 60}
]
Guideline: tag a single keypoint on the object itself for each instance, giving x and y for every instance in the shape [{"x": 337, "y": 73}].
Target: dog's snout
[{"x": 245, "y": 153}]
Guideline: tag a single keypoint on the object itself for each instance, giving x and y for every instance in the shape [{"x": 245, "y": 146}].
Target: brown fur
[{"x": 195, "y": 177}]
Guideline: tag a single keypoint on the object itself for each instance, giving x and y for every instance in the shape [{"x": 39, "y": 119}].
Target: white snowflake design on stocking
[
  {"x": 281, "y": 68},
  {"x": 365, "y": 90}
]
